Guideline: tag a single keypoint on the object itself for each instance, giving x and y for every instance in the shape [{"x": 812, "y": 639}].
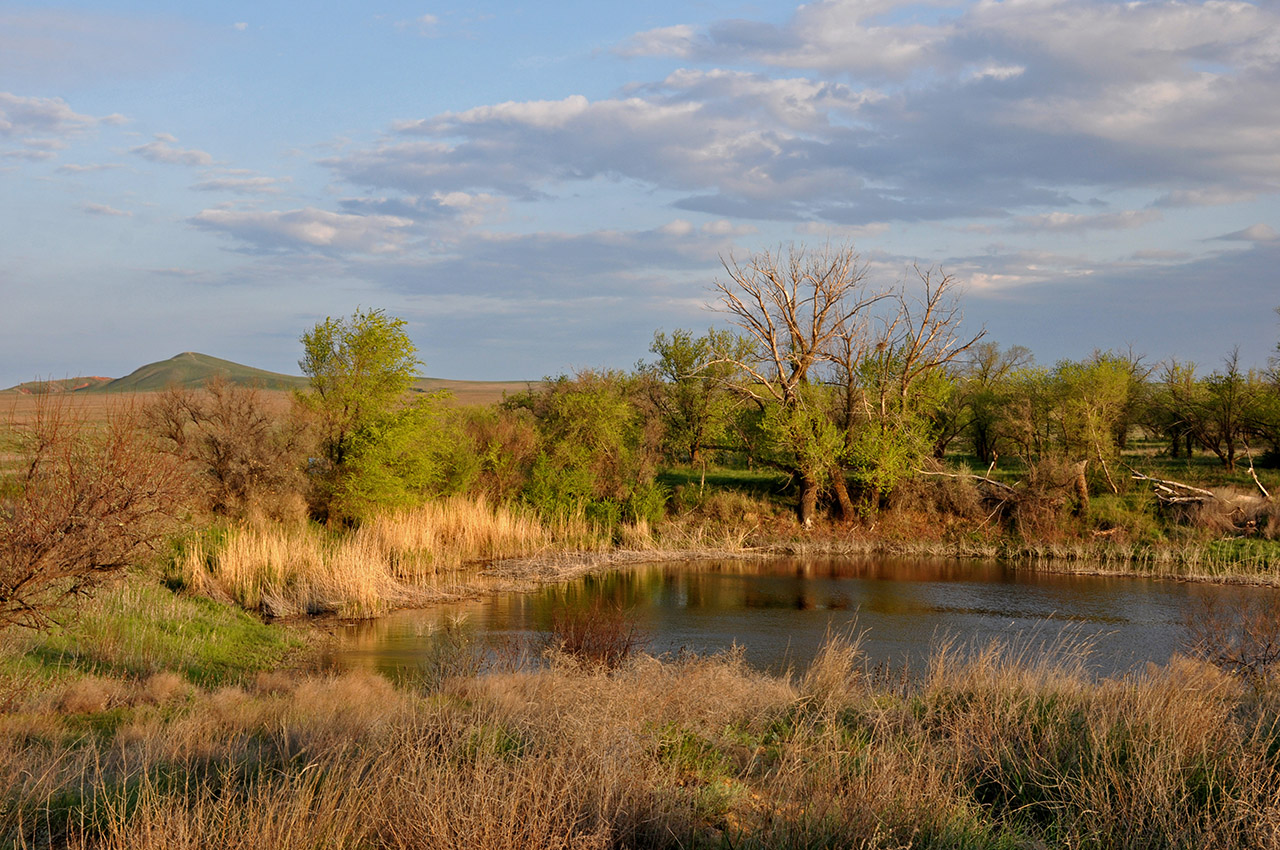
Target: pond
[{"x": 781, "y": 610}]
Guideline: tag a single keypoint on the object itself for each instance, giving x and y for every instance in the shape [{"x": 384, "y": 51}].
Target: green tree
[
  {"x": 691, "y": 388},
  {"x": 375, "y": 449},
  {"x": 596, "y": 450}
]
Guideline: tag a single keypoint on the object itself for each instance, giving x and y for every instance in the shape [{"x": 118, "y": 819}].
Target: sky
[{"x": 537, "y": 188}]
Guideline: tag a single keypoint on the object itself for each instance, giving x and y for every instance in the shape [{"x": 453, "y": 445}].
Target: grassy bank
[
  {"x": 465, "y": 546},
  {"x": 981, "y": 751}
]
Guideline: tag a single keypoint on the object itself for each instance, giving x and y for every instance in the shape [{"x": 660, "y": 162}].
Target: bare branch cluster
[{"x": 81, "y": 505}]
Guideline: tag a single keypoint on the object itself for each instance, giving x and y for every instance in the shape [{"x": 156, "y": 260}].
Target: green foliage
[
  {"x": 398, "y": 459},
  {"x": 597, "y": 452},
  {"x": 376, "y": 451},
  {"x": 691, "y": 388}
]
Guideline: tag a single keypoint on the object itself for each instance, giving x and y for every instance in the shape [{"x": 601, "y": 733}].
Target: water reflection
[{"x": 781, "y": 610}]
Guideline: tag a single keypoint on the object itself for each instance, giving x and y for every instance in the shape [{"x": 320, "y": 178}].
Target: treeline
[
  {"x": 847, "y": 391},
  {"x": 854, "y": 398}
]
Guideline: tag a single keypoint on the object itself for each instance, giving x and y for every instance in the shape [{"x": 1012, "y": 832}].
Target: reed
[{"x": 395, "y": 559}]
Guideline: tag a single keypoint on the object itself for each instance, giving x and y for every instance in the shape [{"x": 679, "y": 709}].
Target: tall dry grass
[
  {"x": 986, "y": 749},
  {"x": 395, "y": 559}
]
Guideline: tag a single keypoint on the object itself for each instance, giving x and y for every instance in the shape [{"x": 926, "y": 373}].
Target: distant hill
[
  {"x": 192, "y": 370},
  {"x": 65, "y": 385}
]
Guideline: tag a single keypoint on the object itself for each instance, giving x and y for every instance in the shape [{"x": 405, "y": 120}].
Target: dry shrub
[
  {"x": 1040, "y": 504},
  {"x": 597, "y": 634},
  {"x": 84, "y": 502},
  {"x": 939, "y": 497},
  {"x": 245, "y": 456},
  {"x": 1242, "y": 639},
  {"x": 163, "y": 687},
  {"x": 89, "y": 694}
]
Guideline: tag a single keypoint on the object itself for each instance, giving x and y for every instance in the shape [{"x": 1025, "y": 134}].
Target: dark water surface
[{"x": 781, "y": 610}]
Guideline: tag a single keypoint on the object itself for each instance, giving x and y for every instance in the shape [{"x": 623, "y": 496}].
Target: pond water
[{"x": 781, "y": 610}]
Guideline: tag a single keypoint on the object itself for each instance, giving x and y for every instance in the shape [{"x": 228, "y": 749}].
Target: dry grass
[
  {"x": 404, "y": 558},
  {"x": 989, "y": 748}
]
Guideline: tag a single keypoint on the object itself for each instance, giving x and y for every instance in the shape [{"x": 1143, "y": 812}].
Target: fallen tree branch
[
  {"x": 1175, "y": 492},
  {"x": 1254, "y": 473},
  {"x": 998, "y": 485}
]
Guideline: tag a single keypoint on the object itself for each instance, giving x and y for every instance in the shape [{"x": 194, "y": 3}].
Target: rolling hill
[{"x": 192, "y": 370}]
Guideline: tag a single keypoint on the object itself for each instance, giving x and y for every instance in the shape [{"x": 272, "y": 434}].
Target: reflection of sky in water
[{"x": 781, "y": 610}]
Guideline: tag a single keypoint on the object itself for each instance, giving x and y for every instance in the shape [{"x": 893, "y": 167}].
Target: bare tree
[
  {"x": 83, "y": 502},
  {"x": 891, "y": 370},
  {"x": 793, "y": 308},
  {"x": 246, "y": 456}
]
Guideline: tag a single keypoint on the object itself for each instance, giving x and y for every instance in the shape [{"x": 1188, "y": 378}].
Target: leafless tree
[
  {"x": 793, "y": 308},
  {"x": 245, "y": 456},
  {"x": 83, "y": 501}
]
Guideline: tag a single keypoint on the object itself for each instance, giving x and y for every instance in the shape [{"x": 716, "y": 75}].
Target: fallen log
[{"x": 1175, "y": 492}]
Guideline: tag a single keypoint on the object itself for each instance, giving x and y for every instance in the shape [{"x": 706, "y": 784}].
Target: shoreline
[{"x": 528, "y": 574}]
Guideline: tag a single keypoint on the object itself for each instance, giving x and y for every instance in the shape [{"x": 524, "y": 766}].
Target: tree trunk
[
  {"x": 841, "y": 487},
  {"x": 1082, "y": 489},
  {"x": 808, "y": 499}
]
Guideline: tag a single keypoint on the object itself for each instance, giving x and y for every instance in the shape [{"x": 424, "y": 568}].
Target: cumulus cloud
[
  {"x": 307, "y": 228},
  {"x": 984, "y": 110},
  {"x": 42, "y": 124},
  {"x": 164, "y": 149}
]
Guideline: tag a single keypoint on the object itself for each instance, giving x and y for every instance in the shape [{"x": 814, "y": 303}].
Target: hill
[
  {"x": 65, "y": 385},
  {"x": 192, "y": 370}
]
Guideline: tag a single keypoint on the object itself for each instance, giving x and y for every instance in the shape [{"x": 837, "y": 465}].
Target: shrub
[
  {"x": 83, "y": 503},
  {"x": 599, "y": 634}
]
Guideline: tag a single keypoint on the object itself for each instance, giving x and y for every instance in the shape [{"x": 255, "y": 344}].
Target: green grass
[
  {"x": 139, "y": 627},
  {"x": 759, "y": 483}
]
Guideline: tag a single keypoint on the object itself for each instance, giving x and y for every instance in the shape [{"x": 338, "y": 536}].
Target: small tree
[
  {"x": 245, "y": 457},
  {"x": 360, "y": 369},
  {"x": 692, "y": 388}
]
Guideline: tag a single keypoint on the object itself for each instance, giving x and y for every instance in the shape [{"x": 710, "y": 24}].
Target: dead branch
[
  {"x": 1175, "y": 492},
  {"x": 996, "y": 485}
]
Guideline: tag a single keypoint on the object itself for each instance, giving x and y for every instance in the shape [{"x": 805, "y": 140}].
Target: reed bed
[
  {"x": 433, "y": 551},
  {"x": 988, "y": 748}
]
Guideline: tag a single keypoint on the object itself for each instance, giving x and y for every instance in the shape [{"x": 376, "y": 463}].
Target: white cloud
[
  {"x": 103, "y": 209},
  {"x": 424, "y": 25},
  {"x": 164, "y": 150},
  {"x": 1078, "y": 223},
  {"x": 241, "y": 26},
  {"x": 241, "y": 185},
  {"x": 308, "y": 228},
  {"x": 680, "y": 41},
  {"x": 1259, "y": 232},
  {"x": 24, "y": 115}
]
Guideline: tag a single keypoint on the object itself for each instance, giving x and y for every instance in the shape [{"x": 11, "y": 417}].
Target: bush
[
  {"x": 245, "y": 458},
  {"x": 82, "y": 504}
]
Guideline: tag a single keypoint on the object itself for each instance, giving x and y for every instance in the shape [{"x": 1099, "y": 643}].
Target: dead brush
[
  {"x": 600, "y": 634},
  {"x": 1242, "y": 639}
]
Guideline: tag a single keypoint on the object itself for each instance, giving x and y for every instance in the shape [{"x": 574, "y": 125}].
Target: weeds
[{"x": 985, "y": 750}]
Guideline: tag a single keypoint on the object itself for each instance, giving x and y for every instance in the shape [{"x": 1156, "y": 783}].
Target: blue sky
[{"x": 539, "y": 187}]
